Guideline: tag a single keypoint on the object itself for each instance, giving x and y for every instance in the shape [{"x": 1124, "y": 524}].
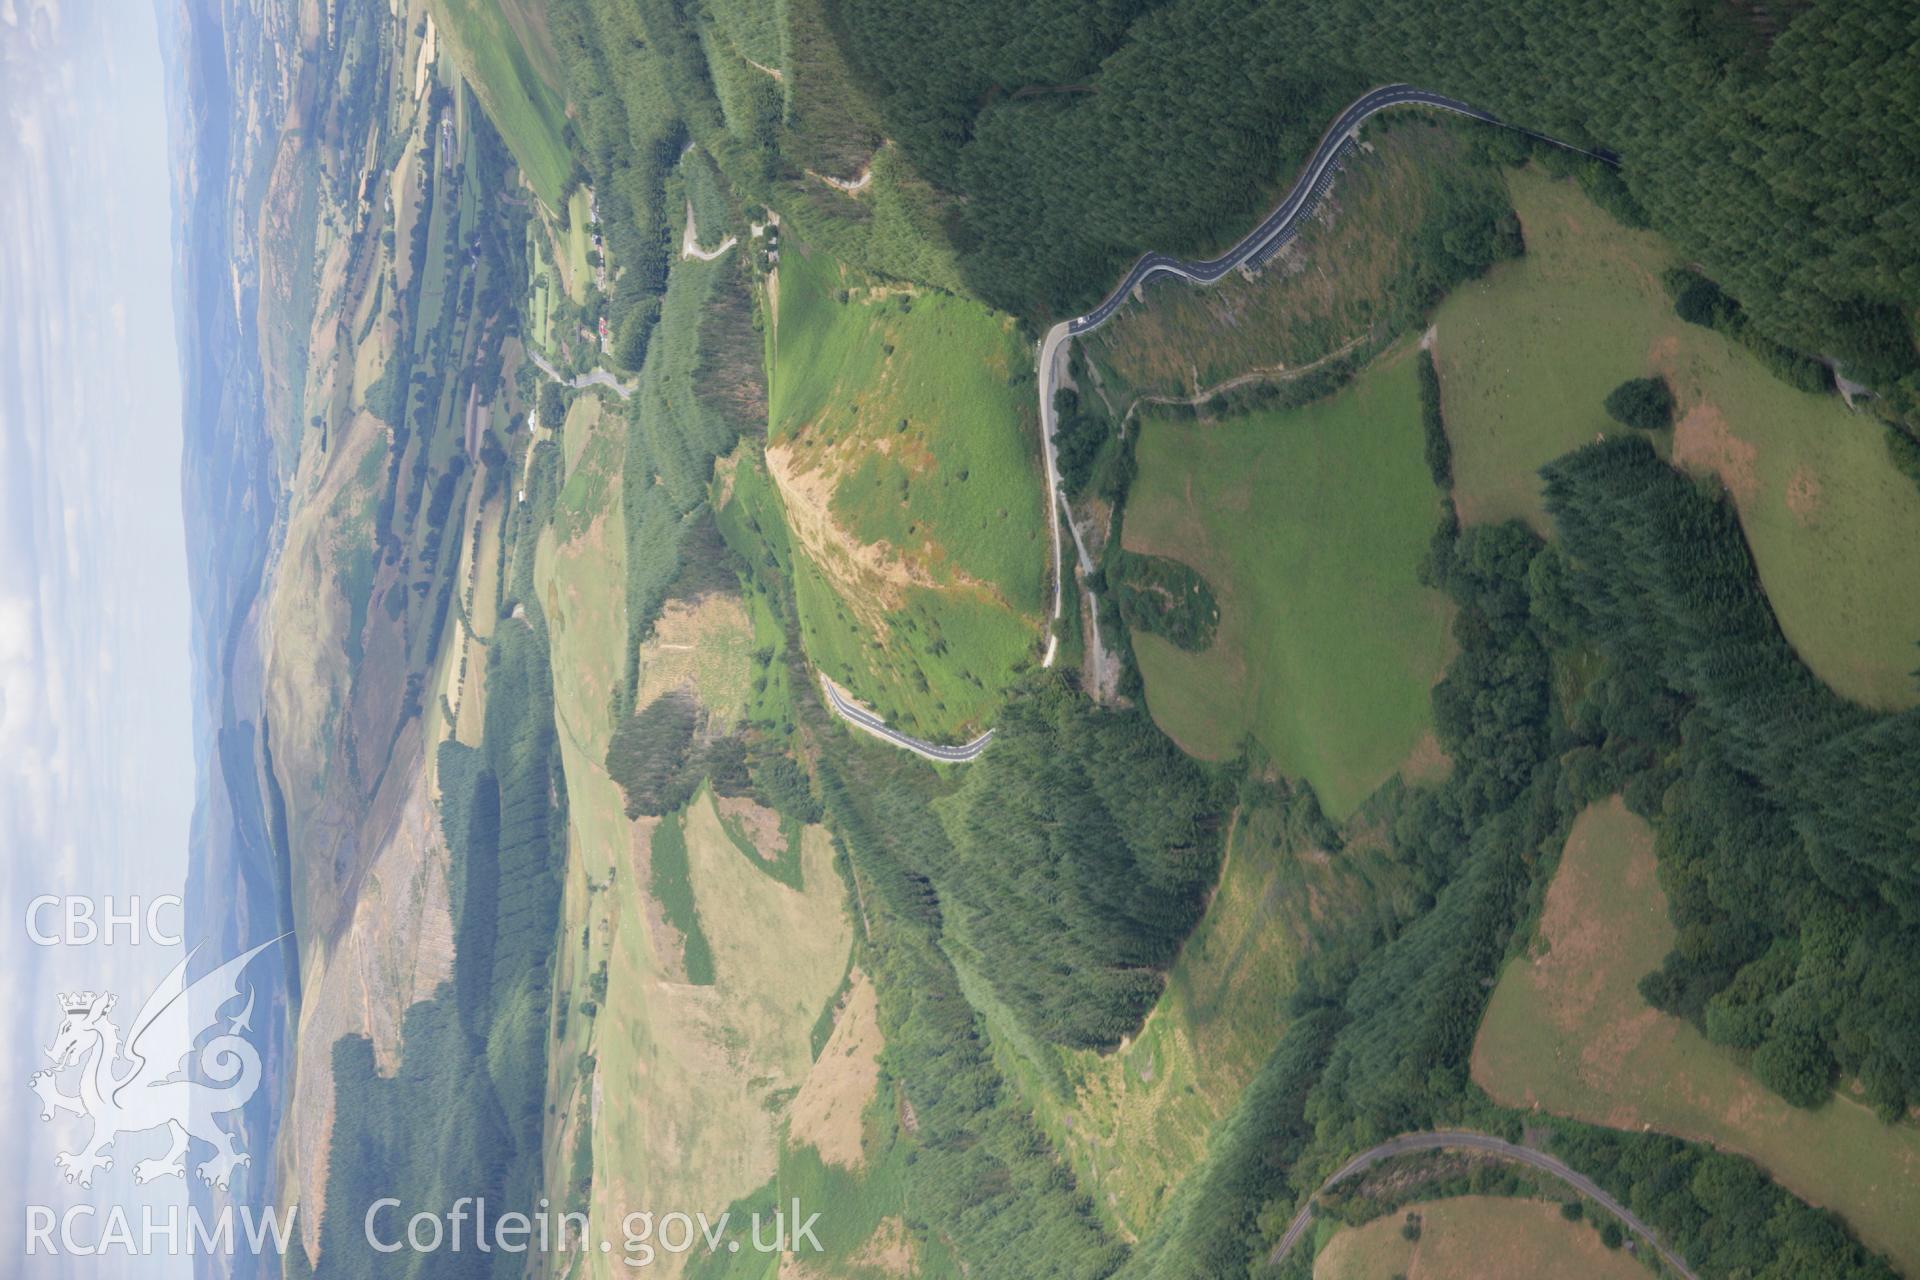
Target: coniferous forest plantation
[{"x": 780, "y": 699}]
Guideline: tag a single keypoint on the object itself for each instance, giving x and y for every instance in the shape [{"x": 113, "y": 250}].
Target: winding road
[
  {"x": 861, "y": 718},
  {"x": 1273, "y": 232},
  {"x": 1278, "y": 227},
  {"x": 1464, "y": 1141},
  {"x": 1253, "y": 249}
]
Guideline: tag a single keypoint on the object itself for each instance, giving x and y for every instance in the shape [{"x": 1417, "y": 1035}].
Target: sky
[{"x": 97, "y": 774}]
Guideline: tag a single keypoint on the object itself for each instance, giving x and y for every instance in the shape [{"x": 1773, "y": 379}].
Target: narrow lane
[{"x": 867, "y": 722}]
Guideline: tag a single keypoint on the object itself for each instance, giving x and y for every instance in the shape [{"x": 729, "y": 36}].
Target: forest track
[{"x": 867, "y": 722}]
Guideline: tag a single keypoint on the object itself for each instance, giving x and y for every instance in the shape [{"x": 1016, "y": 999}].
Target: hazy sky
[{"x": 96, "y": 761}]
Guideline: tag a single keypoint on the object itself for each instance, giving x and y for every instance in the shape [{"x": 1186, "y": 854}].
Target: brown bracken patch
[
  {"x": 890, "y": 1250},
  {"x": 758, "y": 823},
  {"x": 669, "y": 944},
  {"x": 1703, "y": 442},
  {"x": 872, "y": 578},
  {"x": 826, "y": 1112},
  {"x": 1583, "y": 949},
  {"x": 1803, "y": 495},
  {"x": 1427, "y": 762}
]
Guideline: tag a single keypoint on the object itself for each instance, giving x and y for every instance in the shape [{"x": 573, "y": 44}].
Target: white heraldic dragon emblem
[{"x": 143, "y": 1082}]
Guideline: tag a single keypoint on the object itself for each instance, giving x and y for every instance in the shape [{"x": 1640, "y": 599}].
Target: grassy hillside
[
  {"x": 1134, "y": 1124},
  {"x": 674, "y": 1010},
  {"x": 1568, "y": 1031},
  {"x": 504, "y": 52},
  {"x": 1083, "y": 1007},
  {"x": 398, "y": 417},
  {"x": 697, "y": 1076},
  {"x": 701, "y": 387},
  {"x": 1309, "y": 525},
  {"x": 1528, "y": 354},
  {"x": 903, "y": 442}
]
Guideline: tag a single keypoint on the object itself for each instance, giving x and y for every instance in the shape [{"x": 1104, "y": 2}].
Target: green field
[
  {"x": 1527, "y": 355},
  {"x": 540, "y": 291},
  {"x": 1567, "y": 1031},
  {"x": 1475, "y": 1238},
  {"x": 442, "y": 222},
  {"x": 553, "y": 280},
  {"x": 527, "y": 109},
  {"x": 578, "y": 240},
  {"x": 1309, "y": 524},
  {"x": 903, "y": 441},
  {"x": 587, "y": 625}
]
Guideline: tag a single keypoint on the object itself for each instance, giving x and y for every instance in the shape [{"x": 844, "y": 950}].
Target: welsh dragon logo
[{"x": 143, "y": 1084}]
